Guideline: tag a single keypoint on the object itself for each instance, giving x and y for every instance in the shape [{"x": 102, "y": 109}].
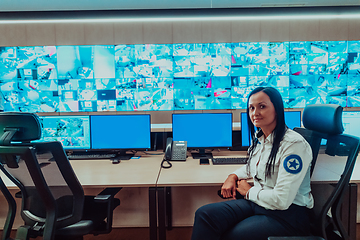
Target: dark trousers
[{"x": 244, "y": 220}]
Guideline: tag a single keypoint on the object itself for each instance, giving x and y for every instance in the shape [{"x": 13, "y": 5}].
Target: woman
[{"x": 278, "y": 203}]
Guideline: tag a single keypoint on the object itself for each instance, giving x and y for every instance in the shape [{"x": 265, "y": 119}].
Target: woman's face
[{"x": 262, "y": 112}]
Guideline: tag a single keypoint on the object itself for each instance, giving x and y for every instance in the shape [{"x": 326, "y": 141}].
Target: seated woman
[{"x": 278, "y": 203}]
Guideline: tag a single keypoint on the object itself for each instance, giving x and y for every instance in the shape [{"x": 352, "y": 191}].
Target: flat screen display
[
  {"x": 292, "y": 119},
  {"x": 203, "y": 130},
  {"x": 124, "y": 132},
  {"x": 72, "y": 131},
  {"x": 351, "y": 122}
]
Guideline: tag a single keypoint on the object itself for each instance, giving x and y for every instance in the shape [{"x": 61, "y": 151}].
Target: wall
[{"x": 37, "y": 34}]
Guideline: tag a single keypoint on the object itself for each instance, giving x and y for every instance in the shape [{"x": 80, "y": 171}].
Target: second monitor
[
  {"x": 292, "y": 119},
  {"x": 203, "y": 131},
  {"x": 121, "y": 133}
]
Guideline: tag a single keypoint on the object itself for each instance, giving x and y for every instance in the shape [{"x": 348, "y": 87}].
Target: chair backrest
[
  {"x": 50, "y": 190},
  {"x": 324, "y": 122},
  {"x": 320, "y": 120}
]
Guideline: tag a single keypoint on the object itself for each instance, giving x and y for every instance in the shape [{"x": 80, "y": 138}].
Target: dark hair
[{"x": 280, "y": 128}]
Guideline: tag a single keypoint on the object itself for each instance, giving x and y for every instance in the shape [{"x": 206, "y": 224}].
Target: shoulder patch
[{"x": 293, "y": 164}]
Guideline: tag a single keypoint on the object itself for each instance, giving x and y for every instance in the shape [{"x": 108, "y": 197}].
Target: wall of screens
[
  {"x": 292, "y": 120},
  {"x": 156, "y": 77}
]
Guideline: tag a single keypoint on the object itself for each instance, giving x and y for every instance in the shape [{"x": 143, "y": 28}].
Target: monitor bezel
[
  {"x": 351, "y": 111},
  {"x": 67, "y": 148},
  {"x": 246, "y": 125},
  {"x": 126, "y": 149},
  {"x": 202, "y": 149}
]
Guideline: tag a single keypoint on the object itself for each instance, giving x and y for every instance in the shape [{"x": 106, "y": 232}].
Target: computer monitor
[
  {"x": 351, "y": 122},
  {"x": 120, "y": 133},
  {"x": 292, "y": 119},
  {"x": 72, "y": 131},
  {"x": 203, "y": 131}
]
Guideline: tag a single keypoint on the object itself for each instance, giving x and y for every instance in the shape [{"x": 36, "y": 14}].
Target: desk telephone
[{"x": 175, "y": 150}]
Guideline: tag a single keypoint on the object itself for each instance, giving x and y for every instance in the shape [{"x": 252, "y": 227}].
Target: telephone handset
[{"x": 175, "y": 150}]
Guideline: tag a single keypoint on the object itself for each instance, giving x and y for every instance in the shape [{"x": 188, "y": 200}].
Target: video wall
[{"x": 160, "y": 77}]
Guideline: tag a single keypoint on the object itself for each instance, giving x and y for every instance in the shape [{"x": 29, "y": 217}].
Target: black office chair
[
  {"x": 325, "y": 122},
  {"x": 53, "y": 202}
]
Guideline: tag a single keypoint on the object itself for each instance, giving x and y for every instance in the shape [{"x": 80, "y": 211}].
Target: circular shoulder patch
[{"x": 293, "y": 164}]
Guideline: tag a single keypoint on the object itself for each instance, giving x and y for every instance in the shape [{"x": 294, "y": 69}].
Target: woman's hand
[
  {"x": 243, "y": 187},
  {"x": 228, "y": 189}
]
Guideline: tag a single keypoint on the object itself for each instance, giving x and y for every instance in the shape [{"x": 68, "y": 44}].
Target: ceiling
[{"x": 84, "y": 5}]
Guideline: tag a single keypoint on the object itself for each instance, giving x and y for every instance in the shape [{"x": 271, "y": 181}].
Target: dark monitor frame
[
  {"x": 202, "y": 149},
  {"x": 344, "y": 124},
  {"x": 122, "y": 152},
  {"x": 68, "y": 148},
  {"x": 245, "y": 134}
]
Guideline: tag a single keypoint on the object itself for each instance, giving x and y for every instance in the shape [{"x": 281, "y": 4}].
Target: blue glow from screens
[
  {"x": 351, "y": 122},
  {"x": 203, "y": 130},
  {"x": 120, "y": 132},
  {"x": 72, "y": 131},
  {"x": 292, "y": 119},
  {"x": 185, "y": 76}
]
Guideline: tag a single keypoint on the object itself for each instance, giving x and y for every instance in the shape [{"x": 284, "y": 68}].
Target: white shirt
[{"x": 290, "y": 181}]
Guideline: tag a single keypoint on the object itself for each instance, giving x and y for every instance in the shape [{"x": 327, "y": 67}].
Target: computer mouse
[{"x": 115, "y": 161}]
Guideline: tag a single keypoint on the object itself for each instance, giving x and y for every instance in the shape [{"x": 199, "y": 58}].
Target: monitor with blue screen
[
  {"x": 72, "y": 131},
  {"x": 203, "y": 131},
  {"x": 292, "y": 119},
  {"x": 121, "y": 133},
  {"x": 351, "y": 122}
]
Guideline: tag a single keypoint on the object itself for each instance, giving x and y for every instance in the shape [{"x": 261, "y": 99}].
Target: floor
[{"x": 178, "y": 233}]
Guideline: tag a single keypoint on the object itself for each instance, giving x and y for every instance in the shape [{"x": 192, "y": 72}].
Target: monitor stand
[
  {"x": 122, "y": 155},
  {"x": 201, "y": 154}
]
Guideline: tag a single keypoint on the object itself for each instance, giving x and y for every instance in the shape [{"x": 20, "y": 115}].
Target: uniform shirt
[{"x": 290, "y": 181}]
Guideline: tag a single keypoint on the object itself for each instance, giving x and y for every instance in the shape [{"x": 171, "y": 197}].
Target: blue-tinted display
[
  {"x": 120, "y": 132},
  {"x": 72, "y": 131},
  {"x": 203, "y": 130},
  {"x": 351, "y": 121},
  {"x": 292, "y": 119},
  {"x": 196, "y": 76}
]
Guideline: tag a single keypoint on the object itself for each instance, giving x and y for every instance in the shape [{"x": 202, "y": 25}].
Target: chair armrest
[
  {"x": 107, "y": 197},
  {"x": 107, "y": 194},
  {"x": 18, "y": 194}
]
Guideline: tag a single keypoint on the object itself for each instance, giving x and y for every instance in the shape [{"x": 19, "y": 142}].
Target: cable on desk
[{"x": 167, "y": 161}]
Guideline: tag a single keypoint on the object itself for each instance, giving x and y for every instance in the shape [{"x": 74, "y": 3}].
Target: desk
[
  {"x": 139, "y": 173},
  {"x": 191, "y": 174},
  {"x": 146, "y": 172},
  {"x": 142, "y": 172}
]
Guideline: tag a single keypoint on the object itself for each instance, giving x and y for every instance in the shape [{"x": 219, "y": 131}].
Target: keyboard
[
  {"x": 91, "y": 156},
  {"x": 229, "y": 160}
]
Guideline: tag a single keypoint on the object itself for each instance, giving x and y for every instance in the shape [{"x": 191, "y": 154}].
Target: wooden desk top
[
  {"x": 146, "y": 172},
  {"x": 142, "y": 172},
  {"x": 191, "y": 173}
]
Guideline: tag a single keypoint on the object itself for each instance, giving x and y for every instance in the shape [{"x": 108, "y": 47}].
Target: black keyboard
[
  {"x": 229, "y": 160},
  {"x": 91, "y": 156}
]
